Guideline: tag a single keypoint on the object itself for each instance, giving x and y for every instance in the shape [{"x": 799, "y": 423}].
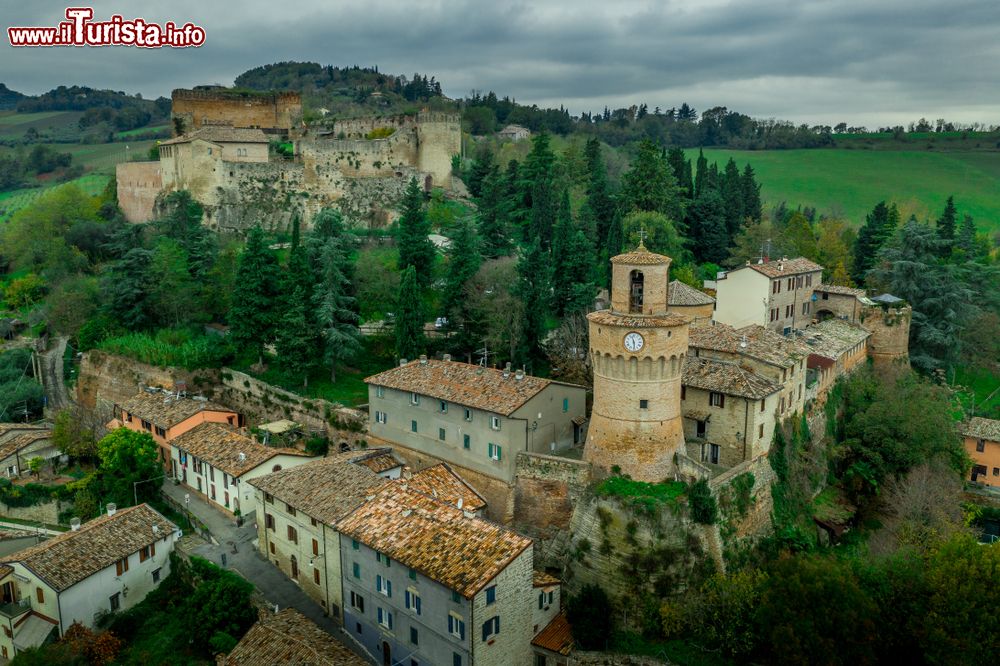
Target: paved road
[
  {"x": 241, "y": 556},
  {"x": 57, "y": 397}
]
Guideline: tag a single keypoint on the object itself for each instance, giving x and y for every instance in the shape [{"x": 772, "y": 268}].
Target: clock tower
[{"x": 637, "y": 349}]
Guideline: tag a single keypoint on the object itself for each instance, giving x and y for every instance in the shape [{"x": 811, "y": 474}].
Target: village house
[
  {"x": 729, "y": 411},
  {"x": 776, "y": 294},
  {"x": 215, "y": 461},
  {"x": 771, "y": 355},
  {"x": 105, "y": 565},
  {"x": 428, "y": 583},
  {"x": 685, "y": 300},
  {"x": 474, "y": 418},
  {"x": 553, "y": 641},
  {"x": 982, "y": 443},
  {"x": 165, "y": 416},
  {"x": 297, "y": 511},
  {"x": 514, "y": 133},
  {"x": 288, "y": 638},
  {"x": 19, "y": 443},
  {"x": 836, "y": 347},
  {"x": 840, "y": 302}
]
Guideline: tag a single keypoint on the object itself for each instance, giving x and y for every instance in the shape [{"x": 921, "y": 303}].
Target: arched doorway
[
  {"x": 823, "y": 315},
  {"x": 635, "y": 292},
  {"x": 295, "y": 568}
]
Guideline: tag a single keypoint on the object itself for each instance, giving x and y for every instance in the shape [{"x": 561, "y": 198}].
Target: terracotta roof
[
  {"x": 783, "y": 267},
  {"x": 221, "y": 134},
  {"x": 726, "y": 377},
  {"x": 72, "y": 556},
  {"x": 442, "y": 483},
  {"x": 640, "y": 257},
  {"x": 165, "y": 410},
  {"x": 981, "y": 428},
  {"x": 762, "y": 343},
  {"x": 609, "y": 318},
  {"x": 463, "y": 384},
  {"x": 226, "y": 449},
  {"x": 837, "y": 289},
  {"x": 542, "y": 579},
  {"x": 289, "y": 638},
  {"x": 379, "y": 462},
  {"x": 833, "y": 338},
  {"x": 436, "y": 539},
  {"x": 557, "y": 636},
  {"x": 18, "y": 442},
  {"x": 684, "y": 294},
  {"x": 6, "y": 535},
  {"x": 326, "y": 489},
  {"x": 4, "y": 570},
  {"x": 6, "y": 428}
]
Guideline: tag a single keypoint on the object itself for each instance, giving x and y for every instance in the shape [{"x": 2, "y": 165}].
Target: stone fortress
[{"x": 223, "y": 154}]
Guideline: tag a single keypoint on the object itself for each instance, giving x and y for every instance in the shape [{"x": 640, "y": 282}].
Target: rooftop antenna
[
  {"x": 743, "y": 342},
  {"x": 484, "y": 353}
]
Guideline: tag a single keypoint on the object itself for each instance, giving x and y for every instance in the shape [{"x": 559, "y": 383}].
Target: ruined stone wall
[
  {"x": 47, "y": 513},
  {"x": 138, "y": 184},
  {"x": 440, "y": 138},
  {"x": 195, "y": 108},
  {"x": 890, "y": 329},
  {"x": 546, "y": 490},
  {"x": 357, "y": 158}
]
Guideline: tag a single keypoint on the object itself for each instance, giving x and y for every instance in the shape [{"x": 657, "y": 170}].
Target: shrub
[
  {"x": 589, "y": 613},
  {"x": 704, "y": 509}
]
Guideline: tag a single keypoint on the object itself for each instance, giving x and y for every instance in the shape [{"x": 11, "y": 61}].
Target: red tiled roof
[{"x": 557, "y": 636}]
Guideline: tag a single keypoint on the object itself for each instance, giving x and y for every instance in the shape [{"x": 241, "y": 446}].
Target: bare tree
[
  {"x": 568, "y": 350},
  {"x": 495, "y": 308}
]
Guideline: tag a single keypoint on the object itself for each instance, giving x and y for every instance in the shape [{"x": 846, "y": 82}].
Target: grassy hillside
[
  {"x": 12, "y": 201},
  {"x": 849, "y": 183}
]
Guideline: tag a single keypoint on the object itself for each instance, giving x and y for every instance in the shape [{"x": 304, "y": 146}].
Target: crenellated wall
[
  {"x": 195, "y": 108},
  {"x": 138, "y": 184}
]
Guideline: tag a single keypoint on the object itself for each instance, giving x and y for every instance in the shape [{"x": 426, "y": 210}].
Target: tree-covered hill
[{"x": 9, "y": 98}]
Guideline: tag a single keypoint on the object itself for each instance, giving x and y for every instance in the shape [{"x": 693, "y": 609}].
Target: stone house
[
  {"x": 840, "y": 302},
  {"x": 20, "y": 443},
  {"x": 729, "y": 411},
  {"x": 685, "y": 300},
  {"x": 836, "y": 347},
  {"x": 476, "y": 419},
  {"x": 428, "y": 583},
  {"x": 514, "y": 133},
  {"x": 982, "y": 442},
  {"x": 776, "y": 294},
  {"x": 216, "y": 461},
  {"x": 288, "y": 638},
  {"x": 773, "y": 356},
  {"x": 165, "y": 415},
  {"x": 297, "y": 511},
  {"x": 108, "y": 564}
]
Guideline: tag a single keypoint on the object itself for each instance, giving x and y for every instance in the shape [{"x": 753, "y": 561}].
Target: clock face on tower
[{"x": 634, "y": 342}]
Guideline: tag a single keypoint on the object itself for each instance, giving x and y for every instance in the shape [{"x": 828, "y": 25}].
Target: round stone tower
[{"x": 637, "y": 348}]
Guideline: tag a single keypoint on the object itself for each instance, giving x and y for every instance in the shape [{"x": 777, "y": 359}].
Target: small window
[
  {"x": 413, "y": 426},
  {"x": 444, "y": 407},
  {"x": 383, "y": 585},
  {"x": 356, "y": 570},
  {"x": 980, "y": 446},
  {"x": 762, "y": 405},
  {"x": 996, "y": 471},
  {"x": 379, "y": 391},
  {"x": 413, "y": 601},
  {"x": 760, "y": 431},
  {"x": 413, "y": 636},
  {"x": 441, "y": 434},
  {"x": 456, "y": 659},
  {"x": 826, "y": 296},
  {"x": 380, "y": 417},
  {"x": 644, "y": 404},
  {"x": 357, "y": 601},
  {"x": 456, "y": 597},
  {"x": 316, "y": 576},
  {"x": 385, "y": 618},
  {"x": 293, "y": 534},
  {"x": 40, "y": 595},
  {"x": 414, "y": 399},
  {"x": 466, "y": 442},
  {"x": 413, "y": 574},
  {"x": 468, "y": 414},
  {"x": 156, "y": 575},
  {"x": 683, "y": 392},
  {"x": 565, "y": 405},
  {"x": 315, "y": 548},
  {"x": 355, "y": 544},
  {"x": 716, "y": 399},
  {"x": 269, "y": 521},
  {"x": 456, "y": 626},
  {"x": 382, "y": 558},
  {"x": 115, "y": 601},
  {"x": 495, "y": 451},
  {"x": 290, "y": 509},
  {"x": 491, "y": 627},
  {"x": 491, "y": 595},
  {"x": 160, "y": 432},
  {"x": 495, "y": 422},
  {"x": 313, "y": 522}
]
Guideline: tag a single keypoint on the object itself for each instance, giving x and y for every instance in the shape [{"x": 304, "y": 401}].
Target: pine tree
[
  {"x": 415, "y": 248},
  {"x": 732, "y": 197},
  {"x": 534, "y": 291},
  {"x": 543, "y": 214},
  {"x": 966, "y": 240},
  {"x": 649, "y": 185},
  {"x": 879, "y": 226},
  {"x": 578, "y": 296},
  {"x": 752, "y": 207},
  {"x": 252, "y": 322},
  {"x": 599, "y": 195},
  {"x": 410, "y": 342},
  {"x": 700, "y": 174},
  {"x": 710, "y": 239},
  {"x": 946, "y": 226},
  {"x": 335, "y": 309},
  {"x": 491, "y": 217},
  {"x": 295, "y": 341},
  {"x": 296, "y": 232},
  {"x": 128, "y": 287},
  {"x": 482, "y": 167},
  {"x": 534, "y": 179},
  {"x": 562, "y": 238},
  {"x": 464, "y": 262},
  {"x": 681, "y": 167}
]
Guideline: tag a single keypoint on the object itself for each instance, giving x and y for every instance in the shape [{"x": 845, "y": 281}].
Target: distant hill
[
  {"x": 9, "y": 98},
  {"x": 82, "y": 98}
]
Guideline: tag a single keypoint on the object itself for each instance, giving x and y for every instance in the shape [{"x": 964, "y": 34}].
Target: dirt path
[{"x": 56, "y": 394}]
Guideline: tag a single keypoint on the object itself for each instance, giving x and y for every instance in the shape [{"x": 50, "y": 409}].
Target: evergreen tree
[
  {"x": 464, "y": 262},
  {"x": 534, "y": 179},
  {"x": 879, "y": 226},
  {"x": 600, "y": 200},
  {"x": 172, "y": 289},
  {"x": 543, "y": 214},
  {"x": 578, "y": 275},
  {"x": 700, "y": 174},
  {"x": 335, "y": 309},
  {"x": 252, "y": 321},
  {"x": 410, "y": 342},
  {"x": 182, "y": 223},
  {"x": 295, "y": 341},
  {"x": 296, "y": 232},
  {"x": 752, "y": 207},
  {"x": 534, "y": 291},
  {"x": 946, "y": 226},
  {"x": 562, "y": 238},
  {"x": 616, "y": 240},
  {"x": 649, "y": 185},
  {"x": 130, "y": 299},
  {"x": 681, "y": 167},
  {"x": 799, "y": 238},
  {"x": 415, "y": 248},
  {"x": 491, "y": 217},
  {"x": 966, "y": 241},
  {"x": 708, "y": 234},
  {"x": 481, "y": 168},
  {"x": 732, "y": 197}
]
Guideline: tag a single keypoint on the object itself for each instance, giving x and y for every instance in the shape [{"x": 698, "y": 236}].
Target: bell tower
[{"x": 637, "y": 348}]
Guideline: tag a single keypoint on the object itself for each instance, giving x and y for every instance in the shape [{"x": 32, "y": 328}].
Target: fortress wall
[
  {"x": 440, "y": 138},
  {"x": 890, "y": 329},
  {"x": 200, "y": 107},
  {"x": 360, "y": 158},
  {"x": 138, "y": 184}
]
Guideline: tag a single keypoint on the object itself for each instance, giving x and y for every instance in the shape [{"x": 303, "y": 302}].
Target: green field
[
  {"x": 848, "y": 183},
  {"x": 16, "y": 124},
  {"x": 11, "y": 202}
]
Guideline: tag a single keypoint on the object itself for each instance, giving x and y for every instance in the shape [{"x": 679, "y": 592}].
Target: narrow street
[
  {"x": 51, "y": 360},
  {"x": 236, "y": 545}
]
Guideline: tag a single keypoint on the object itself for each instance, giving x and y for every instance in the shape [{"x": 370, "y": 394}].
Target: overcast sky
[{"x": 866, "y": 62}]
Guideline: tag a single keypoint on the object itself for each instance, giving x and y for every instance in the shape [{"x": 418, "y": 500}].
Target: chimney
[
  {"x": 520, "y": 374},
  {"x": 402, "y": 362},
  {"x": 74, "y": 524},
  {"x": 407, "y": 512},
  {"x": 446, "y": 357},
  {"x": 506, "y": 370},
  {"x": 423, "y": 359},
  {"x": 156, "y": 529},
  {"x": 242, "y": 457},
  {"x": 112, "y": 508},
  {"x": 461, "y": 501},
  {"x": 468, "y": 514}
]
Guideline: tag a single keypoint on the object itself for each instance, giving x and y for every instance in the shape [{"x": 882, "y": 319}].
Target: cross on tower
[{"x": 642, "y": 236}]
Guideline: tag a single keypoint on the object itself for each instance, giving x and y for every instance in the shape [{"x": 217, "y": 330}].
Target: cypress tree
[
  {"x": 679, "y": 166},
  {"x": 252, "y": 322},
  {"x": 464, "y": 262},
  {"x": 128, "y": 286},
  {"x": 649, "y": 185},
  {"x": 415, "y": 248},
  {"x": 295, "y": 341},
  {"x": 966, "y": 240},
  {"x": 946, "y": 226},
  {"x": 561, "y": 260},
  {"x": 335, "y": 309},
  {"x": 492, "y": 219},
  {"x": 752, "y": 208},
  {"x": 296, "y": 232},
  {"x": 410, "y": 342},
  {"x": 533, "y": 289},
  {"x": 700, "y": 174},
  {"x": 482, "y": 167},
  {"x": 879, "y": 226},
  {"x": 543, "y": 214},
  {"x": 732, "y": 197},
  {"x": 599, "y": 194},
  {"x": 710, "y": 239}
]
